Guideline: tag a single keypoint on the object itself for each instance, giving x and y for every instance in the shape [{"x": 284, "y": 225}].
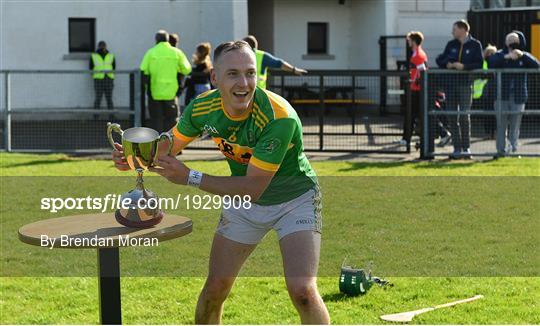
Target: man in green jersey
[{"x": 260, "y": 135}]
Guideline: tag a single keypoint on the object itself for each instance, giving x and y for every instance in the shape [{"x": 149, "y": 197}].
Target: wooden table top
[{"x": 99, "y": 231}]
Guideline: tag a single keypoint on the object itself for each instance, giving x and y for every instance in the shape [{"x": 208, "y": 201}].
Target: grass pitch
[{"x": 261, "y": 298}]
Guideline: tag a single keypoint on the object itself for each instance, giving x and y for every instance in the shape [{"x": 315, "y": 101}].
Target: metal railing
[
  {"x": 496, "y": 121},
  {"x": 341, "y": 110},
  {"x": 57, "y": 111},
  {"x": 345, "y": 111}
]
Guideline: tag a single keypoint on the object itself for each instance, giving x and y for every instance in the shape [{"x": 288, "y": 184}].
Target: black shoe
[
  {"x": 466, "y": 154},
  {"x": 456, "y": 155}
]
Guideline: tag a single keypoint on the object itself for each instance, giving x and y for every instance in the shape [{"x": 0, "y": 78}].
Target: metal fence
[
  {"x": 56, "y": 111},
  {"x": 485, "y": 112},
  {"x": 345, "y": 110},
  {"x": 349, "y": 110}
]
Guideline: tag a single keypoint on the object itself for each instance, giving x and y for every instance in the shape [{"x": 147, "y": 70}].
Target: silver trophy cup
[{"x": 140, "y": 147}]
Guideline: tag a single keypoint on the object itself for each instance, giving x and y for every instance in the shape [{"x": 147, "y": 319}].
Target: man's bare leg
[
  {"x": 300, "y": 252},
  {"x": 226, "y": 259}
]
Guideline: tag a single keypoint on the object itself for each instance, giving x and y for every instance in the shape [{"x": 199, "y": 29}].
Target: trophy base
[{"x": 131, "y": 218}]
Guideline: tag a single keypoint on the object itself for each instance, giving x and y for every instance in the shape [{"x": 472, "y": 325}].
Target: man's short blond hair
[{"x": 228, "y": 47}]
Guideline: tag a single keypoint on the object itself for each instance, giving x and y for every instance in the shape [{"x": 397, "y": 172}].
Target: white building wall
[
  {"x": 290, "y": 31},
  {"x": 240, "y": 19},
  {"x": 355, "y": 28},
  {"x": 368, "y": 24},
  {"x": 221, "y": 21},
  {"x": 37, "y": 33},
  {"x": 34, "y": 36},
  {"x": 434, "y": 18}
]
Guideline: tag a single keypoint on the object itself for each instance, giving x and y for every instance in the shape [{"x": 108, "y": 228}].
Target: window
[
  {"x": 317, "y": 38},
  {"x": 82, "y": 35}
]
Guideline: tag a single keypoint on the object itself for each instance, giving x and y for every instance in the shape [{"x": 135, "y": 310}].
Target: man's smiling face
[{"x": 235, "y": 75}]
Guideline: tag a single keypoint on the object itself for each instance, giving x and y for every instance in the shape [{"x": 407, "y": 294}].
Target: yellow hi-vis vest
[
  {"x": 101, "y": 64},
  {"x": 479, "y": 84},
  {"x": 162, "y": 63},
  {"x": 261, "y": 75}
]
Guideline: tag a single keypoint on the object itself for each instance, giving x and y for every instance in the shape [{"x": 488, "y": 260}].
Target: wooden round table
[{"x": 102, "y": 232}]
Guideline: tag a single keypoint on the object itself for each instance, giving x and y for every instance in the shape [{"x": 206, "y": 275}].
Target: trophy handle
[
  {"x": 113, "y": 127},
  {"x": 169, "y": 137}
]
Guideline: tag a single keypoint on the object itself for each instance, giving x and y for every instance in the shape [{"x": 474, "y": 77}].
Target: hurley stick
[{"x": 408, "y": 316}]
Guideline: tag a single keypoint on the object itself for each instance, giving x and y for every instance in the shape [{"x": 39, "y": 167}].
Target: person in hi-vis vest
[
  {"x": 265, "y": 60},
  {"x": 485, "y": 93},
  {"x": 103, "y": 62},
  {"x": 160, "y": 66},
  {"x": 480, "y": 83}
]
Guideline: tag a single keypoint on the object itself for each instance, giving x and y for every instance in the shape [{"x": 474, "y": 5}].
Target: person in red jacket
[
  {"x": 418, "y": 60},
  {"x": 417, "y": 64}
]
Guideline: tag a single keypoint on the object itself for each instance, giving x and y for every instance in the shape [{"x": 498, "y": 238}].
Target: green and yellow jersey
[{"x": 269, "y": 136}]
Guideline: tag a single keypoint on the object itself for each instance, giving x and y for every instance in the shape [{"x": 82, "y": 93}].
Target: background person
[
  {"x": 199, "y": 80},
  {"x": 265, "y": 61},
  {"x": 514, "y": 89},
  {"x": 462, "y": 53},
  {"x": 441, "y": 120},
  {"x": 417, "y": 64},
  {"x": 174, "y": 41},
  {"x": 103, "y": 60},
  {"x": 485, "y": 93},
  {"x": 160, "y": 66}
]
